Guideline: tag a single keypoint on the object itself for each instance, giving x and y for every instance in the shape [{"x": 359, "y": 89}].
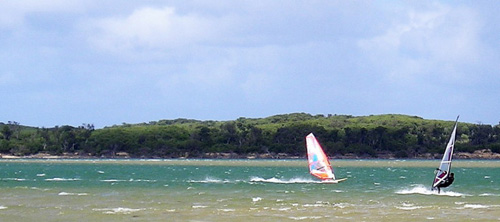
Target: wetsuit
[{"x": 446, "y": 182}]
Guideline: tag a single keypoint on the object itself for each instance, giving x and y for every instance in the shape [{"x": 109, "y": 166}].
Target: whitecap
[
  {"x": 112, "y": 180},
  {"x": 209, "y": 180},
  {"x": 121, "y": 210},
  {"x": 255, "y": 199},
  {"x": 305, "y": 217},
  {"x": 198, "y": 206},
  {"x": 312, "y": 205},
  {"x": 407, "y": 206},
  {"x": 62, "y": 179},
  {"x": 40, "y": 175},
  {"x": 420, "y": 189},
  {"x": 283, "y": 181},
  {"x": 226, "y": 210},
  {"x": 14, "y": 179},
  {"x": 72, "y": 194},
  {"x": 341, "y": 205},
  {"x": 3, "y": 207},
  {"x": 317, "y": 204},
  {"x": 475, "y": 206},
  {"x": 141, "y": 180},
  {"x": 489, "y": 195},
  {"x": 282, "y": 209}
]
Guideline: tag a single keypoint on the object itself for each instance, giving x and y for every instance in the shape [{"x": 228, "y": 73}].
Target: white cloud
[
  {"x": 441, "y": 38},
  {"x": 151, "y": 29}
]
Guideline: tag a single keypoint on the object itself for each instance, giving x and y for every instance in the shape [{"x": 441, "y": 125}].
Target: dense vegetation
[{"x": 368, "y": 136}]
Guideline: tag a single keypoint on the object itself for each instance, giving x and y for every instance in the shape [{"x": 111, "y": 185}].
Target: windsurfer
[{"x": 446, "y": 182}]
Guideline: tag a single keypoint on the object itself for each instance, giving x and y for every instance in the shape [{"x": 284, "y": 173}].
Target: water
[{"x": 239, "y": 190}]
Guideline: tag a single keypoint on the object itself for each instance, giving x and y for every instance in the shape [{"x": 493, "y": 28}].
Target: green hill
[{"x": 374, "y": 136}]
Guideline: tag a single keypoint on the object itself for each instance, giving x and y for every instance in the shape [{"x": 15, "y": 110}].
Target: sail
[
  {"x": 445, "y": 166},
  {"x": 319, "y": 166}
]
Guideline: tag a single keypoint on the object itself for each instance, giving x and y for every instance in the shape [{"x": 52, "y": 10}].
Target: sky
[{"x": 74, "y": 62}]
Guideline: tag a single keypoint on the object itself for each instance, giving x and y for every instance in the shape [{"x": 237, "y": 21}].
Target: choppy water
[{"x": 227, "y": 190}]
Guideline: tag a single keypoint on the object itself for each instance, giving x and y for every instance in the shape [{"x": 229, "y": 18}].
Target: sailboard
[
  {"x": 319, "y": 165},
  {"x": 445, "y": 166}
]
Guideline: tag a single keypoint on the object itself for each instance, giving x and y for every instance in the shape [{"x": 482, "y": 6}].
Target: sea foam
[
  {"x": 118, "y": 210},
  {"x": 72, "y": 194},
  {"x": 62, "y": 179},
  {"x": 284, "y": 181},
  {"x": 211, "y": 180},
  {"x": 421, "y": 189}
]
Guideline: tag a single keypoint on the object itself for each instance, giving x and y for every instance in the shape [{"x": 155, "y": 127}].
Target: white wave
[
  {"x": 198, "y": 206},
  {"x": 489, "y": 195},
  {"x": 326, "y": 203},
  {"x": 407, "y": 206},
  {"x": 62, "y": 179},
  {"x": 14, "y": 179},
  {"x": 420, "y": 189},
  {"x": 112, "y": 180},
  {"x": 283, "y": 181},
  {"x": 3, "y": 207},
  {"x": 476, "y": 206},
  {"x": 209, "y": 180},
  {"x": 141, "y": 180},
  {"x": 129, "y": 180},
  {"x": 40, "y": 175},
  {"x": 118, "y": 210},
  {"x": 281, "y": 209},
  {"x": 255, "y": 199},
  {"x": 226, "y": 210},
  {"x": 72, "y": 194},
  {"x": 305, "y": 217}
]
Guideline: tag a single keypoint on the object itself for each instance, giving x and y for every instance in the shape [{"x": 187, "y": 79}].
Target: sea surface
[{"x": 243, "y": 190}]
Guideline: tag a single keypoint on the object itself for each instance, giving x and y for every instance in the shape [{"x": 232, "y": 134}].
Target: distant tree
[{"x": 6, "y": 132}]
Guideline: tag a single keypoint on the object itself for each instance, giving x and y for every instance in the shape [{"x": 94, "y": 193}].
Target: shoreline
[{"x": 484, "y": 154}]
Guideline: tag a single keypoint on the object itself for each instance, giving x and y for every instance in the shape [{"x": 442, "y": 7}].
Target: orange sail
[{"x": 319, "y": 166}]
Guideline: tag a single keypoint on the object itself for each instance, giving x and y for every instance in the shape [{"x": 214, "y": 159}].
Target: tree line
[{"x": 372, "y": 136}]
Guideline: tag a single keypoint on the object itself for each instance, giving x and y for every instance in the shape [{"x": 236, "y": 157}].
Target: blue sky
[{"x": 68, "y": 62}]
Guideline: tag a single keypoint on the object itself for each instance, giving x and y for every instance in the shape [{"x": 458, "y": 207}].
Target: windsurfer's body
[{"x": 447, "y": 181}]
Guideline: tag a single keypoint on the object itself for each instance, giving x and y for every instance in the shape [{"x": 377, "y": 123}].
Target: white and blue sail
[{"x": 444, "y": 168}]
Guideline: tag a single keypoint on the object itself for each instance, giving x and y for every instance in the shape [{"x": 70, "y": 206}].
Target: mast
[
  {"x": 319, "y": 166},
  {"x": 445, "y": 166}
]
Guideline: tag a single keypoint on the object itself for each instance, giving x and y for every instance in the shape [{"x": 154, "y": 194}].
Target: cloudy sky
[{"x": 68, "y": 62}]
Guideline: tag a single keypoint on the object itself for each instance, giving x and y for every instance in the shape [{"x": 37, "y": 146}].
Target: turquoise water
[{"x": 230, "y": 190}]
